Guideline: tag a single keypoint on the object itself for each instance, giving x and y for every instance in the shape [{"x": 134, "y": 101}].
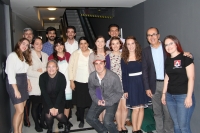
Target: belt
[
  {"x": 135, "y": 74},
  {"x": 160, "y": 80}
]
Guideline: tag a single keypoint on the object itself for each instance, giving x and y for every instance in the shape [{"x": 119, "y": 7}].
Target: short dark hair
[
  {"x": 50, "y": 29},
  {"x": 153, "y": 28},
  {"x": 113, "y": 25},
  {"x": 83, "y": 38},
  {"x": 34, "y": 39},
  {"x": 71, "y": 27}
]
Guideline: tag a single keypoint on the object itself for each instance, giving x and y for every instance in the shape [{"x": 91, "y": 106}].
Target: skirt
[
  {"x": 22, "y": 86},
  {"x": 81, "y": 96}
]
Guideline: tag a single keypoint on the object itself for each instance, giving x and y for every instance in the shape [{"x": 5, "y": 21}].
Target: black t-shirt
[{"x": 176, "y": 71}]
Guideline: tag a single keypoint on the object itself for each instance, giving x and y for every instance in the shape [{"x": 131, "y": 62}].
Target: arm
[
  {"x": 33, "y": 73},
  {"x": 108, "y": 62},
  {"x": 91, "y": 65},
  {"x": 164, "y": 89},
  {"x": 124, "y": 76},
  {"x": 42, "y": 84},
  {"x": 61, "y": 92},
  {"x": 71, "y": 67},
  {"x": 92, "y": 89},
  {"x": 191, "y": 76}
]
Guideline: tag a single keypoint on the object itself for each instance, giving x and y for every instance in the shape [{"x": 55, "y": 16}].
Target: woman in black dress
[
  {"x": 52, "y": 85},
  {"x": 17, "y": 84}
]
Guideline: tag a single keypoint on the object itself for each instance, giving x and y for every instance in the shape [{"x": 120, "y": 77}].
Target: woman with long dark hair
[
  {"x": 178, "y": 85},
  {"x": 17, "y": 84},
  {"x": 62, "y": 57},
  {"x": 134, "y": 92}
]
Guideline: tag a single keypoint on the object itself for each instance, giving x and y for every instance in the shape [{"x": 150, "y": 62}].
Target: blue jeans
[
  {"x": 108, "y": 122},
  {"x": 181, "y": 115}
]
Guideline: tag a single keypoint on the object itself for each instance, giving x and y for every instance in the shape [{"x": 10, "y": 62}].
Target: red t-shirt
[{"x": 67, "y": 56}]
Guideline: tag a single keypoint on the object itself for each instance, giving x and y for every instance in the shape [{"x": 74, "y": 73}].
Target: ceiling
[{"x": 35, "y": 13}]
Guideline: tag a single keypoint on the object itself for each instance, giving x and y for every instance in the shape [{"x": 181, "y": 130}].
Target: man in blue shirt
[{"x": 48, "y": 46}]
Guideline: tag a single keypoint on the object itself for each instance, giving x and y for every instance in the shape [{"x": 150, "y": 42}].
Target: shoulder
[
  {"x": 50, "y": 57},
  {"x": 44, "y": 75},
  {"x": 60, "y": 75},
  {"x": 67, "y": 54},
  {"x": 44, "y": 54},
  {"x": 111, "y": 73},
  {"x": 12, "y": 55}
]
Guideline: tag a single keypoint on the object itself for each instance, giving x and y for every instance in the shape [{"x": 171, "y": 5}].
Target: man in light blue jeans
[{"x": 105, "y": 89}]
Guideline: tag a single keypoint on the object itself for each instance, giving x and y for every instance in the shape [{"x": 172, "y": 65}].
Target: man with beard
[
  {"x": 48, "y": 46},
  {"x": 71, "y": 44}
]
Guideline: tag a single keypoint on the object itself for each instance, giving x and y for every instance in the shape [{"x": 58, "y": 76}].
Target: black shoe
[
  {"x": 27, "y": 123},
  {"x": 125, "y": 131},
  {"x": 49, "y": 131},
  {"x": 38, "y": 129},
  {"x": 60, "y": 125},
  {"x": 66, "y": 130},
  {"x": 81, "y": 125},
  {"x": 69, "y": 125},
  {"x": 140, "y": 131},
  {"x": 150, "y": 132},
  {"x": 44, "y": 126}
]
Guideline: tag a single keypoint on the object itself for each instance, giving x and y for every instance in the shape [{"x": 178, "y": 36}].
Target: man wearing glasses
[{"x": 153, "y": 57}]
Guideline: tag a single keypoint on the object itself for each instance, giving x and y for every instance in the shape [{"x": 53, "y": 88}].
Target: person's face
[
  {"x": 59, "y": 48},
  {"x": 28, "y": 35},
  {"x": 152, "y": 36},
  {"x": 70, "y": 34},
  {"x": 52, "y": 68},
  {"x": 83, "y": 45},
  {"x": 115, "y": 45},
  {"x": 114, "y": 31},
  {"x": 100, "y": 43},
  {"x": 99, "y": 66},
  {"x": 131, "y": 45},
  {"x": 51, "y": 35},
  {"x": 170, "y": 46},
  {"x": 37, "y": 45},
  {"x": 24, "y": 46}
]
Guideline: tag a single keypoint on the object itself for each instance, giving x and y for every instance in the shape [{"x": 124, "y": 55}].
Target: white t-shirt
[{"x": 70, "y": 48}]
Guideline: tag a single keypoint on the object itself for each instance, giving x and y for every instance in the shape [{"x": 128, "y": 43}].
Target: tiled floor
[{"x": 31, "y": 129}]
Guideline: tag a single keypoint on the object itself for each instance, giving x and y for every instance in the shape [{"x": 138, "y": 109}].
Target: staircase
[{"x": 73, "y": 20}]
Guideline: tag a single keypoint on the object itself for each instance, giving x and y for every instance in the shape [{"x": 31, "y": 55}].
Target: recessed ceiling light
[
  {"x": 52, "y": 19},
  {"x": 51, "y": 9}
]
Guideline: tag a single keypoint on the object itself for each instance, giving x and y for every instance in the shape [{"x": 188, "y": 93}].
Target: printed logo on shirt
[{"x": 177, "y": 64}]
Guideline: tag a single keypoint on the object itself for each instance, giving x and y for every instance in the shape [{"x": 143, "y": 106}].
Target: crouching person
[{"x": 105, "y": 90}]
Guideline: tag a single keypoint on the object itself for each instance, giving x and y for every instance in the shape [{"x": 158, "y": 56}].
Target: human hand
[
  {"x": 40, "y": 70},
  {"x": 17, "y": 94},
  {"x": 103, "y": 103},
  {"x": 126, "y": 95},
  {"x": 29, "y": 86},
  {"x": 72, "y": 85},
  {"x": 163, "y": 99},
  {"x": 188, "y": 54},
  {"x": 149, "y": 93},
  {"x": 188, "y": 102}
]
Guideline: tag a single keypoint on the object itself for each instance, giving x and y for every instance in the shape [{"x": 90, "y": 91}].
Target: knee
[
  {"x": 90, "y": 118},
  {"x": 107, "y": 123}
]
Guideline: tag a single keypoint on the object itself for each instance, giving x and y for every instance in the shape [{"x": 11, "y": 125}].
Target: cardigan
[
  {"x": 60, "y": 90},
  {"x": 73, "y": 64},
  {"x": 33, "y": 74}
]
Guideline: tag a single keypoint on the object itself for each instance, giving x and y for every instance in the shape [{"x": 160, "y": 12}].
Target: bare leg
[
  {"x": 124, "y": 112},
  {"x": 140, "y": 118},
  {"x": 118, "y": 116},
  {"x": 17, "y": 118},
  {"x": 101, "y": 116},
  {"x": 135, "y": 118},
  {"x": 21, "y": 124}
]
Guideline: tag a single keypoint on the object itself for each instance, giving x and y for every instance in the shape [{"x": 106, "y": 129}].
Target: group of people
[{"x": 110, "y": 79}]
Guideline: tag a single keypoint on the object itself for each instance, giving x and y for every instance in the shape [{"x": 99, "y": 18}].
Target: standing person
[
  {"x": 99, "y": 49},
  {"x": 52, "y": 84},
  {"x": 113, "y": 62},
  {"x": 38, "y": 66},
  {"x": 132, "y": 81},
  {"x": 113, "y": 30},
  {"x": 178, "y": 85},
  {"x": 28, "y": 34},
  {"x": 17, "y": 84},
  {"x": 78, "y": 76},
  {"x": 62, "y": 57},
  {"x": 71, "y": 44},
  {"x": 48, "y": 46},
  {"x": 105, "y": 90}
]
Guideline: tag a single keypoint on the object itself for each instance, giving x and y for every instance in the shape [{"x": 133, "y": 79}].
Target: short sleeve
[{"x": 188, "y": 61}]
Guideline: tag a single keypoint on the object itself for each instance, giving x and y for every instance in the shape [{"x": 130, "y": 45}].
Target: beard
[{"x": 51, "y": 38}]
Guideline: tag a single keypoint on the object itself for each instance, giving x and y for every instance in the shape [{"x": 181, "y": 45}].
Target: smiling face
[
  {"x": 100, "y": 43},
  {"x": 153, "y": 36},
  {"x": 51, "y": 35},
  {"x": 170, "y": 46},
  {"x": 24, "y": 45},
  {"x": 70, "y": 34},
  {"x": 131, "y": 45},
  {"x": 28, "y": 35},
  {"x": 59, "y": 48},
  {"x": 83, "y": 45},
  {"x": 99, "y": 66},
  {"x": 52, "y": 68},
  {"x": 37, "y": 45},
  {"x": 114, "y": 31},
  {"x": 115, "y": 45}
]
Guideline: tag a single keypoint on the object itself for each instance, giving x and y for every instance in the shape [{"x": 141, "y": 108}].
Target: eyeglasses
[
  {"x": 171, "y": 43},
  {"x": 153, "y": 35}
]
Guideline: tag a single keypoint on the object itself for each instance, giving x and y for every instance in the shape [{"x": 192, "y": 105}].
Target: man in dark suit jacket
[{"x": 153, "y": 58}]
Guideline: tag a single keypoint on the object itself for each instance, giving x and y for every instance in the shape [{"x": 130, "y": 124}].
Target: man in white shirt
[
  {"x": 71, "y": 45},
  {"x": 113, "y": 30}
]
